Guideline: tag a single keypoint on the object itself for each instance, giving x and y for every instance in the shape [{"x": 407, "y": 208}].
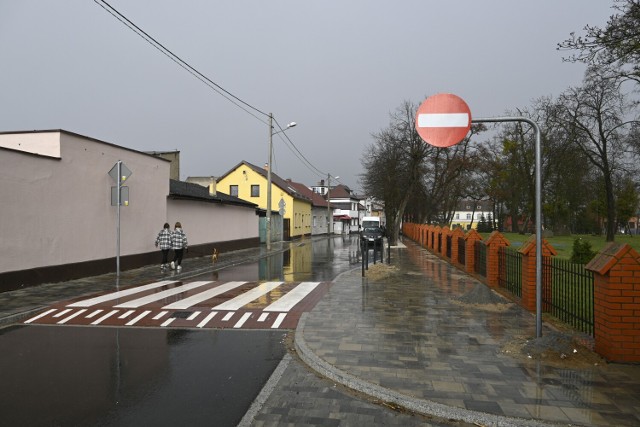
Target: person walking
[
  {"x": 179, "y": 245},
  {"x": 163, "y": 241}
]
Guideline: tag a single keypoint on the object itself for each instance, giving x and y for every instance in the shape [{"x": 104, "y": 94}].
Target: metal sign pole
[
  {"x": 538, "y": 209},
  {"x": 118, "y": 218}
]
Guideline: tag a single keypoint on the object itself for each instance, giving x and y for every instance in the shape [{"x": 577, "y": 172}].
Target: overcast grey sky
[{"x": 337, "y": 68}]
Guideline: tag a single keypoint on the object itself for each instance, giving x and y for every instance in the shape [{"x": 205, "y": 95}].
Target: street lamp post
[
  {"x": 271, "y": 133},
  {"x": 329, "y": 216}
]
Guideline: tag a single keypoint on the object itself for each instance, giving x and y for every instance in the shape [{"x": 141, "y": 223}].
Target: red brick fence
[{"x": 616, "y": 277}]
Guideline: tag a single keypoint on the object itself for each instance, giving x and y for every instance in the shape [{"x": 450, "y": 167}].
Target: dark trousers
[
  {"x": 177, "y": 257},
  {"x": 165, "y": 255}
]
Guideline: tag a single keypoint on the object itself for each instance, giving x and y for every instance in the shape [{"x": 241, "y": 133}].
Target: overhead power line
[
  {"x": 159, "y": 46},
  {"x": 238, "y": 102}
]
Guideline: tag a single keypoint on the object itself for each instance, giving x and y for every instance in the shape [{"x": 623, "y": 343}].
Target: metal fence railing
[
  {"x": 480, "y": 258},
  {"x": 510, "y": 270},
  {"x": 570, "y": 296},
  {"x": 462, "y": 250}
]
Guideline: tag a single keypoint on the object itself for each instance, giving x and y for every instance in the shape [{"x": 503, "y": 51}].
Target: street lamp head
[{"x": 292, "y": 124}]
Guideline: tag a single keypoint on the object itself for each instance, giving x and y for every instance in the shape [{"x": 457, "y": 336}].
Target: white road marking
[
  {"x": 228, "y": 316},
  {"x": 297, "y": 294},
  {"x": 206, "y": 319},
  {"x": 62, "y": 313},
  {"x": 194, "y": 315},
  {"x": 74, "y": 315},
  {"x": 278, "y": 321},
  {"x": 160, "y": 315},
  {"x": 168, "y": 321},
  {"x": 244, "y": 299},
  {"x": 137, "y": 318},
  {"x": 127, "y": 314},
  {"x": 263, "y": 317},
  {"x": 115, "y": 295},
  {"x": 161, "y": 295},
  {"x": 243, "y": 319},
  {"x": 94, "y": 314},
  {"x": 202, "y": 296},
  {"x": 105, "y": 317},
  {"x": 41, "y": 315}
]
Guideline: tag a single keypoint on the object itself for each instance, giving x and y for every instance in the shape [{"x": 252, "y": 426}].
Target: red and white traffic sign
[{"x": 443, "y": 120}]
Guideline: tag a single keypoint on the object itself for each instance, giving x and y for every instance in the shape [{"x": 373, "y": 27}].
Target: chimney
[{"x": 212, "y": 187}]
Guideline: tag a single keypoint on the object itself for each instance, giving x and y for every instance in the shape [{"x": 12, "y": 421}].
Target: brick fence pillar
[
  {"x": 436, "y": 238},
  {"x": 444, "y": 233},
  {"x": 616, "y": 303},
  {"x": 528, "y": 251},
  {"x": 470, "y": 252},
  {"x": 425, "y": 233},
  {"x": 495, "y": 241},
  {"x": 456, "y": 234}
]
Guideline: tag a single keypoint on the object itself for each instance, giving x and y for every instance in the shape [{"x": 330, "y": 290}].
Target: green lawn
[{"x": 564, "y": 244}]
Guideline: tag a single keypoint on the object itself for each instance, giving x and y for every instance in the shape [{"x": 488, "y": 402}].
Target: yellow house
[{"x": 290, "y": 210}]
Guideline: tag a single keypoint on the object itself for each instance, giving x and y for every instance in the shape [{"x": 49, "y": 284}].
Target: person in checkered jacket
[
  {"x": 179, "y": 245},
  {"x": 163, "y": 241}
]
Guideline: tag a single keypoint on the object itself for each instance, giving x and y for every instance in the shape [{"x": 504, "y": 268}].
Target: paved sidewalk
[{"x": 411, "y": 342}]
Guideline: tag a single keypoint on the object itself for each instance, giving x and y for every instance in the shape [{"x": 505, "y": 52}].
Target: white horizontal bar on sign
[
  {"x": 297, "y": 294},
  {"x": 120, "y": 294},
  {"x": 244, "y": 299},
  {"x": 443, "y": 120},
  {"x": 161, "y": 295},
  {"x": 202, "y": 296}
]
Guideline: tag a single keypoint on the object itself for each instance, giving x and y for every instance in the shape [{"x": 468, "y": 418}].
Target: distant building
[
  {"x": 470, "y": 212},
  {"x": 290, "y": 210}
]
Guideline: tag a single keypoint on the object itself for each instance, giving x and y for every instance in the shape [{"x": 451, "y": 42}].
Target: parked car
[{"x": 372, "y": 235}]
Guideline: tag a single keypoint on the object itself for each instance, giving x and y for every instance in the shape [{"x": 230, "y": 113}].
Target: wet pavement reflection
[{"x": 77, "y": 376}]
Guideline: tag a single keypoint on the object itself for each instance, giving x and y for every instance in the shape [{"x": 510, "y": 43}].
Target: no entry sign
[{"x": 443, "y": 120}]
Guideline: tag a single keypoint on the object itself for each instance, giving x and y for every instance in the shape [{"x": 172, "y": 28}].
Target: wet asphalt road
[{"x": 72, "y": 376}]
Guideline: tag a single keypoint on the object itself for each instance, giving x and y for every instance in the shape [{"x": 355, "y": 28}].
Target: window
[
  {"x": 457, "y": 216},
  {"x": 233, "y": 190},
  {"x": 468, "y": 216},
  {"x": 479, "y": 207},
  {"x": 255, "y": 190}
]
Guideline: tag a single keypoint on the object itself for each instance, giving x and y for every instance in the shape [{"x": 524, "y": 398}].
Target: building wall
[
  {"x": 58, "y": 210},
  {"x": 319, "y": 220},
  {"x": 301, "y": 225},
  {"x": 212, "y": 222}
]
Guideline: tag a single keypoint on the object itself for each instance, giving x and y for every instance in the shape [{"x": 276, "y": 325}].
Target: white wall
[
  {"x": 211, "y": 222},
  {"x": 58, "y": 211}
]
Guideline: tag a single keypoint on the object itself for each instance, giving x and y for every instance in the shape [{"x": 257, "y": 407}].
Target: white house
[{"x": 470, "y": 212}]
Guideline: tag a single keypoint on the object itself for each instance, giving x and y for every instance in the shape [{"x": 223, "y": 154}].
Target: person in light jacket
[
  {"x": 163, "y": 241},
  {"x": 179, "y": 245}
]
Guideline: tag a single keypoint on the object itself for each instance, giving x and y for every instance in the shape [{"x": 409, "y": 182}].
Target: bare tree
[
  {"x": 615, "y": 48},
  {"x": 593, "y": 118},
  {"x": 393, "y": 166}
]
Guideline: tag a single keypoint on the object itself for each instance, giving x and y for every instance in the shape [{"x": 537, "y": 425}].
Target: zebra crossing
[{"x": 198, "y": 304}]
